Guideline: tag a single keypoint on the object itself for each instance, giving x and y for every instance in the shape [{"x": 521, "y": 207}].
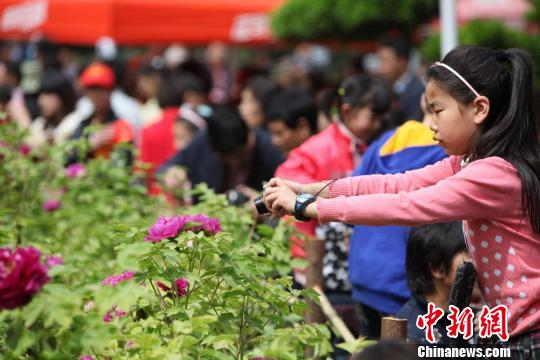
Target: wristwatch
[{"x": 302, "y": 201}]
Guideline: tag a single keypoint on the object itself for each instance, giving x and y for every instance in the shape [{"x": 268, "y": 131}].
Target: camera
[
  {"x": 260, "y": 206},
  {"x": 236, "y": 198}
]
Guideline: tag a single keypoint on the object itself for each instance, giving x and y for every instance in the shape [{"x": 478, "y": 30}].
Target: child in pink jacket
[{"x": 482, "y": 116}]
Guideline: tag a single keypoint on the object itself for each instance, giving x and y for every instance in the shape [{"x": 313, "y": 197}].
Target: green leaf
[
  {"x": 354, "y": 346},
  {"x": 219, "y": 342}
]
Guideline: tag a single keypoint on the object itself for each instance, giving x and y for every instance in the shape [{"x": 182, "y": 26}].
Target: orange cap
[{"x": 98, "y": 74}]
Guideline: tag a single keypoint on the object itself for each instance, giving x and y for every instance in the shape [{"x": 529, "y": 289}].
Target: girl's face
[
  {"x": 50, "y": 105},
  {"x": 182, "y": 135},
  {"x": 454, "y": 127},
  {"x": 362, "y": 122},
  {"x": 148, "y": 86},
  {"x": 250, "y": 109}
]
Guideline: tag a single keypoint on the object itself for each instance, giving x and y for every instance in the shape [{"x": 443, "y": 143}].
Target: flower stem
[
  {"x": 240, "y": 346},
  {"x": 162, "y": 304}
]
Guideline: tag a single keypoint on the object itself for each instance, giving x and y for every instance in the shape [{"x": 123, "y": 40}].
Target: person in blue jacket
[{"x": 377, "y": 253}]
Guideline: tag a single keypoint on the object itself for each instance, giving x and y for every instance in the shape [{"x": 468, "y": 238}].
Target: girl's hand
[
  {"x": 293, "y": 185},
  {"x": 279, "y": 198}
]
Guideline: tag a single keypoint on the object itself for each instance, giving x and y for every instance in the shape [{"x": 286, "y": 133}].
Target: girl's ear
[
  {"x": 437, "y": 273},
  {"x": 345, "y": 110},
  {"x": 481, "y": 109}
]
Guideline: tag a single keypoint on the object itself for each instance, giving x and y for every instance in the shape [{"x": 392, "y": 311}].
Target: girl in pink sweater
[{"x": 482, "y": 116}]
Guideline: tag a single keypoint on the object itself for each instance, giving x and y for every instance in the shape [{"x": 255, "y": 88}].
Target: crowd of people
[{"x": 193, "y": 121}]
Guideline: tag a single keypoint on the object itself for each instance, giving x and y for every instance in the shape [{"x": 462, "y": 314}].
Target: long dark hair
[
  {"x": 365, "y": 91},
  {"x": 57, "y": 83},
  {"x": 509, "y": 131}
]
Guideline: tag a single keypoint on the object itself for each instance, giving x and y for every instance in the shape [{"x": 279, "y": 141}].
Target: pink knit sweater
[{"x": 486, "y": 195}]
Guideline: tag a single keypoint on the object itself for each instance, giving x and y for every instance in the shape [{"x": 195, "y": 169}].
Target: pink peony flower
[
  {"x": 75, "y": 170},
  {"x": 86, "y": 357},
  {"x": 54, "y": 260},
  {"x": 181, "y": 286},
  {"x": 113, "y": 280},
  {"x": 25, "y": 149},
  {"x": 210, "y": 226},
  {"x": 108, "y": 317},
  {"x": 165, "y": 227},
  {"x": 21, "y": 276},
  {"x": 51, "y": 205},
  {"x": 111, "y": 314},
  {"x": 169, "y": 227},
  {"x": 195, "y": 222}
]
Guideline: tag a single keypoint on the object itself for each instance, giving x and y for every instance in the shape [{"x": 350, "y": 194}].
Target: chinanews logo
[{"x": 491, "y": 322}]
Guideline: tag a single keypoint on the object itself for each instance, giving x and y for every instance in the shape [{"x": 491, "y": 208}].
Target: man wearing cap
[{"x": 97, "y": 81}]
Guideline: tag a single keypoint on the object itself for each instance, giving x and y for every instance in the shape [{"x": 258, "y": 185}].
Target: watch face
[{"x": 302, "y": 198}]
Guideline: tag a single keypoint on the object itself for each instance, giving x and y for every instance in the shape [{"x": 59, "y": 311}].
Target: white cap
[
  {"x": 175, "y": 55},
  {"x": 106, "y": 48}
]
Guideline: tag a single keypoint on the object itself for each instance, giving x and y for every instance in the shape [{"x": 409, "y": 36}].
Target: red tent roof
[{"x": 133, "y": 22}]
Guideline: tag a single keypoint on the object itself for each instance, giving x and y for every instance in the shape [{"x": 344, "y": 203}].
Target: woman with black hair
[
  {"x": 57, "y": 120},
  {"x": 255, "y": 99}
]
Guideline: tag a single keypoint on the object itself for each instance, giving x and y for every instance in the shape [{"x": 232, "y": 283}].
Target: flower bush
[
  {"x": 21, "y": 275},
  {"x": 200, "y": 293},
  {"x": 125, "y": 276}
]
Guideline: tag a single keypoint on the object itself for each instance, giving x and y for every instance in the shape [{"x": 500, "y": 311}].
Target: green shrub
[{"x": 238, "y": 303}]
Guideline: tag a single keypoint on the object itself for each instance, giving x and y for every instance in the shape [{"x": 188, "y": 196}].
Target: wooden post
[
  {"x": 314, "y": 278},
  {"x": 392, "y": 328}
]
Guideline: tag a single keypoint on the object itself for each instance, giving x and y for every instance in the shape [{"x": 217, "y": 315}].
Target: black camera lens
[
  {"x": 260, "y": 206},
  {"x": 236, "y": 198}
]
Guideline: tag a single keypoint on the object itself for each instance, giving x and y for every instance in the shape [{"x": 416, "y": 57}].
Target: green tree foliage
[
  {"x": 349, "y": 19},
  {"x": 492, "y": 34}
]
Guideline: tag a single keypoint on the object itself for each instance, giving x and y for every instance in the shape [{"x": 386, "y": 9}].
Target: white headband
[
  {"x": 191, "y": 116},
  {"x": 458, "y": 76}
]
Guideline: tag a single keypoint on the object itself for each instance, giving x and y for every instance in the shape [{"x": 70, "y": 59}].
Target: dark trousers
[{"x": 369, "y": 321}]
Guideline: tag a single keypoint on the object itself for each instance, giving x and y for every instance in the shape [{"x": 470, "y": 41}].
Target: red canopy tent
[{"x": 138, "y": 22}]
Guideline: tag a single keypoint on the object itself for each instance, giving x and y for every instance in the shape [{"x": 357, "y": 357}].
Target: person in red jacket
[
  {"x": 98, "y": 80},
  {"x": 178, "y": 95},
  {"x": 362, "y": 103}
]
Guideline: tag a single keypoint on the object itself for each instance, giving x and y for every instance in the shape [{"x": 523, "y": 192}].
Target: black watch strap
[{"x": 300, "y": 207}]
